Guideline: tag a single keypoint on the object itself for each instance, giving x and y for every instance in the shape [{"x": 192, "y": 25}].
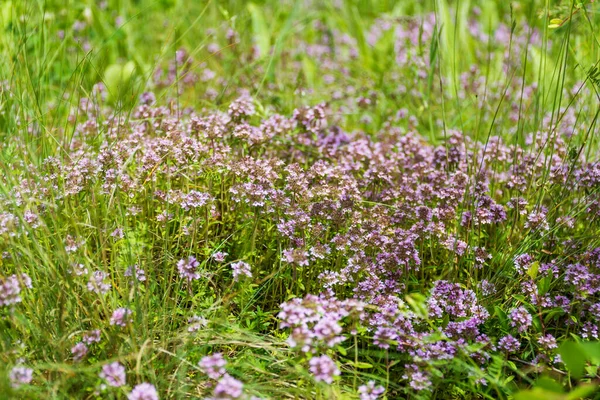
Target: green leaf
[
  {"x": 6, "y": 13},
  {"x": 553, "y": 313},
  {"x": 532, "y": 271},
  {"x": 417, "y": 303},
  {"x": 520, "y": 297},
  {"x": 549, "y": 384},
  {"x": 537, "y": 394},
  {"x": 544, "y": 285},
  {"x": 592, "y": 349},
  {"x": 574, "y": 357},
  {"x": 310, "y": 70},
  {"x": 501, "y": 316},
  {"x": 117, "y": 78},
  {"x": 362, "y": 365},
  {"x": 342, "y": 350},
  {"x": 581, "y": 392},
  {"x": 260, "y": 30}
]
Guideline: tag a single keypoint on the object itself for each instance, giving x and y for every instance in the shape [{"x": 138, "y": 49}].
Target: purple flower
[
  {"x": 78, "y": 270},
  {"x": 384, "y": 336},
  {"x": 118, "y": 233},
  {"x": 228, "y": 388},
  {"x": 213, "y": 365},
  {"x": 92, "y": 336},
  {"x": 241, "y": 268},
  {"x": 121, "y": 317},
  {"x": 71, "y": 244},
  {"x": 143, "y": 391},
  {"x": 323, "y": 369},
  {"x": 194, "y": 199},
  {"x": 296, "y": 256},
  {"x": 589, "y": 330},
  {"x": 509, "y": 344},
  {"x": 10, "y": 291},
  {"x": 219, "y": 256},
  {"x": 140, "y": 274},
  {"x": 242, "y": 107},
  {"x": 196, "y": 322},
  {"x": 113, "y": 374},
  {"x": 79, "y": 351},
  {"x": 20, "y": 376},
  {"x": 26, "y": 281},
  {"x": 487, "y": 288},
  {"x": 97, "y": 283},
  {"x": 522, "y": 263},
  {"x": 419, "y": 379},
  {"x": 328, "y": 330},
  {"x": 520, "y": 318},
  {"x": 147, "y": 98},
  {"x": 370, "y": 391},
  {"x": 187, "y": 268},
  {"x": 548, "y": 342}
]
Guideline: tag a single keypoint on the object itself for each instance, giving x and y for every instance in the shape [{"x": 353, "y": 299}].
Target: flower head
[
  {"x": 121, "y": 317},
  {"x": 188, "y": 268},
  {"x": 509, "y": 344},
  {"x": 241, "y": 268},
  {"x": 228, "y": 388},
  {"x": 520, "y": 318},
  {"x": 113, "y": 374},
  {"x": 143, "y": 391},
  {"x": 92, "y": 336},
  {"x": 20, "y": 376},
  {"x": 79, "y": 351},
  {"x": 97, "y": 283},
  {"x": 323, "y": 368},
  {"x": 370, "y": 391},
  {"x": 213, "y": 365}
]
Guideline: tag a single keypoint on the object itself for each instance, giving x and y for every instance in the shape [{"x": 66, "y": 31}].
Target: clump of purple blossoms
[
  {"x": 193, "y": 199},
  {"x": 20, "y": 376},
  {"x": 140, "y": 274},
  {"x": 520, "y": 318},
  {"x": 219, "y": 256},
  {"x": 143, "y": 391},
  {"x": 113, "y": 374},
  {"x": 509, "y": 344},
  {"x": 228, "y": 388},
  {"x": 97, "y": 282},
  {"x": 323, "y": 369},
  {"x": 118, "y": 233},
  {"x": 92, "y": 336},
  {"x": 10, "y": 291},
  {"x": 121, "y": 317},
  {"x": 548, "y": 342},
  {"x": 213, "y": 365},
  {"x": 296, "y": 256},
  {"x": 460, "y": 305},
  {"x": 188, "y": 268},
  {"x": 522, "y": 263},
  {"x": 242, "y": 107},
  {"x": 316, "y": 321},
  {"x": 418, "y": 379},
  {"x": 241, "y": 268},
  {"x": 79, "y": 351},
  {"x": 196, "y": 322},
  {"x": 370, "y": 391}
]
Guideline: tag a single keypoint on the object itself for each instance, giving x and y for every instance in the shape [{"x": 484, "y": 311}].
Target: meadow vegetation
[{"x": 299, "y": 199}]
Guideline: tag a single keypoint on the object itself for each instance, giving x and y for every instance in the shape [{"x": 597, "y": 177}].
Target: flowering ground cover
[{"x": 299, "y": 199}]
